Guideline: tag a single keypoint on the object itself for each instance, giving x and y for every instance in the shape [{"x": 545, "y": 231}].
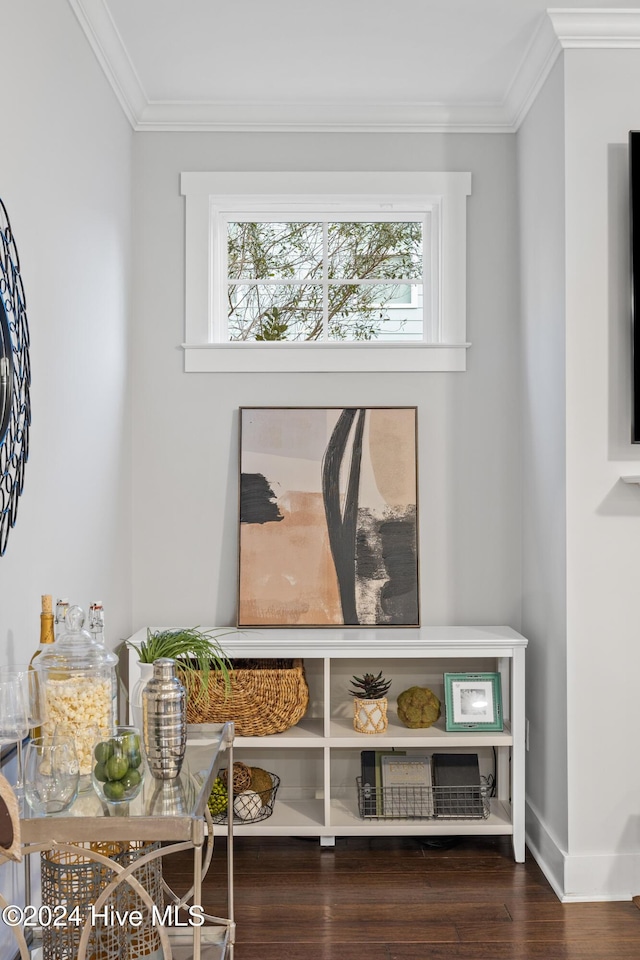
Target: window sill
[{"x": 324, "y": 358}]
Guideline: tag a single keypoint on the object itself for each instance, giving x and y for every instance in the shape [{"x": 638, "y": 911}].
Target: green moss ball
[
  {"x": 219, "y": 798},
  {"x": 418, "y": 707},
  {"x": 261, "y": 783}
]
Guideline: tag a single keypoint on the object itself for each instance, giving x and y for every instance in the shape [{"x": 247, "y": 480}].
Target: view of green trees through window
[{"x": 324, "y": 280}]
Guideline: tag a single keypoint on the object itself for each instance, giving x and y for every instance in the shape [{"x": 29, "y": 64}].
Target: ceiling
[{"x": 339, "y": 64}]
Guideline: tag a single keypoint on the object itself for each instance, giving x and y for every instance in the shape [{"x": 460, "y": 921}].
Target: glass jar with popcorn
[{"x": 77, "y": 677}]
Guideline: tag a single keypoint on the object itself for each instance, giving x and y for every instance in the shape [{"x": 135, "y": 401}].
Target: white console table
[{"x": 318, "y": 760}]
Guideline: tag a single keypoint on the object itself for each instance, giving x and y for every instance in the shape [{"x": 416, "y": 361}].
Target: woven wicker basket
[{"x": 268, "y": 696}]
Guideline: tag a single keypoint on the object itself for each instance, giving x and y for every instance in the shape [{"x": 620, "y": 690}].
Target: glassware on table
[
  {"x": 51, "y": 774},
  {"x": 85, "y": 738},
  {"x": 30, "y": 681},
  {"x": 14, "y": 718},
  {"x": 118, "y": 770}
]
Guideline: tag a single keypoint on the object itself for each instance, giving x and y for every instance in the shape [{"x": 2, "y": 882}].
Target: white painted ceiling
[{"x": 339, "y": 64}]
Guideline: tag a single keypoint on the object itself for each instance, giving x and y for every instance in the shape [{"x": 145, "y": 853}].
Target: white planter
[
  {"x": 135, "y": 698},
  {"x": 370, "y": 716}
]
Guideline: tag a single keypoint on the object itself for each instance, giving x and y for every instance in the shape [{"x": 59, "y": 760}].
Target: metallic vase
[{"x": 164, "y": 720}]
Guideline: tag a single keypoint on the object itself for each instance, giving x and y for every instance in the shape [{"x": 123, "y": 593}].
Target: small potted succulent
[{"x": 370, "y": 703}]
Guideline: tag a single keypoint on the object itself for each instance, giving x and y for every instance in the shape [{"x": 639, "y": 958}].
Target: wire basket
[
  {"x": 75, "y": 882},
  {"x": 422, "y": 803},
  {"x": 250, "y": 806},
  {"x": 142, "y": 940}
]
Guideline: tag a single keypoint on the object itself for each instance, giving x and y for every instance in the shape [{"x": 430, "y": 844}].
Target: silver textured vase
[{"x": 164, "y": 720}]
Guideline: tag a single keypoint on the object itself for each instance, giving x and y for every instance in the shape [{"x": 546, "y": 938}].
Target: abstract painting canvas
[{"x": 328, "y": 517}]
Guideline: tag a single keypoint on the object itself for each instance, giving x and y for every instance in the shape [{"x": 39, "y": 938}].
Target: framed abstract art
[{"x": 328, "y": 517}]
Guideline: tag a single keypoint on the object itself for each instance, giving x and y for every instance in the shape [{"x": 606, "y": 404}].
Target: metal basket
[
  {"x": 248, "y": 812},
  {"x": 142, "y": 940},
  {"x": 422, "y": 803},
  {"x": 76, "y": 881}
]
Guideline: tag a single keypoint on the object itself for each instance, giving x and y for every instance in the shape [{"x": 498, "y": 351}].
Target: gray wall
[
  {"x": 65, "y": 179},
  {"x": 185, "y": 426},
  {"x": 544, "y": 607},
  {"x": 603, "y": 519}
]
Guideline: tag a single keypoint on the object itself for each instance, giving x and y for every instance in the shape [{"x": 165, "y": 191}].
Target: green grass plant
[{"x": 195, "y": 651}]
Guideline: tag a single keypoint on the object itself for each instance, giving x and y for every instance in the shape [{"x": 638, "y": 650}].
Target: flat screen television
[{"x": 634, "y": 217}]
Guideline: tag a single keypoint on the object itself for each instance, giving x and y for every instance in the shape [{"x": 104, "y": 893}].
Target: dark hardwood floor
[{"x": 399, "y": 899}]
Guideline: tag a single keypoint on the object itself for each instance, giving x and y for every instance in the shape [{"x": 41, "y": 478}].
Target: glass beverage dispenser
[{"x": 78, "y": 677}]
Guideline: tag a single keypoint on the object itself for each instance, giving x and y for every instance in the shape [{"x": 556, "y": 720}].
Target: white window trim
[{"x": 444, "y": 194}]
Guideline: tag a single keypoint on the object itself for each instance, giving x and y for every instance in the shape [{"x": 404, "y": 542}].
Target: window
[
  {"x": 322, "y": 279},
  {"x": 322, "y": 271}
]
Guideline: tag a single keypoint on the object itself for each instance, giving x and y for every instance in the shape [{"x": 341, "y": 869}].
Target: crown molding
[
  {"x": 590, "y": 29},
  {"x": 111, "y": 53},
  {"x": 534, "y": 68},
  {"x": 557, "y": 30},
  {"x": 563, "y": 29},
  {"x": 341, "y": 117}
]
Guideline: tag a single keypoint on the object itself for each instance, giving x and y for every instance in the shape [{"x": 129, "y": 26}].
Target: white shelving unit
[{"x": 318, "y": 760}]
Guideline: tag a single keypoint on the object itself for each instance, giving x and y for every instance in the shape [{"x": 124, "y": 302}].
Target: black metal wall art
[{"x": 15, "y": 380}]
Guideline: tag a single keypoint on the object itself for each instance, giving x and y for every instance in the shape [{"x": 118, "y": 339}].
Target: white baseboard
[
  {"x": 545, "y": 850},
  {"x": 581, "y": 879}
]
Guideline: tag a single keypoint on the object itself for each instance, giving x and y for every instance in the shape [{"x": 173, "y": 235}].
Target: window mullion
[
  {"x": 374, "y": 281},
  {"x": 221, "y": 248},
  {"x": 432, "y": 241},
  {"x": 325, "y": 280},
  {"x": 304, "y": 281}
]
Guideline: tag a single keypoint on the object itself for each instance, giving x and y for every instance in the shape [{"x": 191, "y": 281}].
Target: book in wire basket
[{"x": 395, "y": 785}]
